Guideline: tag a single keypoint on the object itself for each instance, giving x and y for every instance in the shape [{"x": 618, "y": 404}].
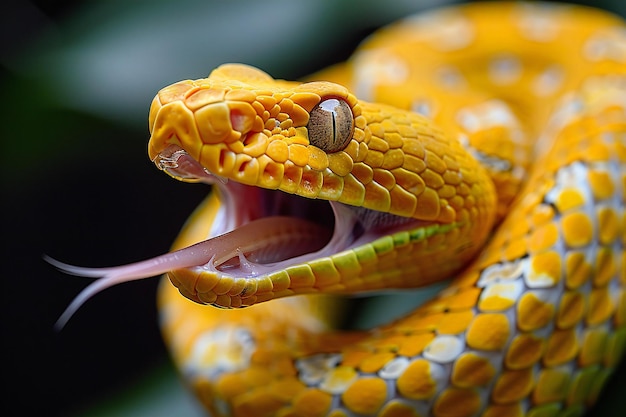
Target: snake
[{"x": 482, "y": 144}]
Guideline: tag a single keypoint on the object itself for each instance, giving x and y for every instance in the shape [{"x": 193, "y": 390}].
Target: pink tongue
[{"x": 269, "y": 239}]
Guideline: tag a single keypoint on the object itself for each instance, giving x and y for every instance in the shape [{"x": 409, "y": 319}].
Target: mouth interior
[
  {"x": 331, "y": 226},
  {"x": 256, "y": 231},
  {"x": 286, "y": 228},
  {"x": 271, "y": 230}
]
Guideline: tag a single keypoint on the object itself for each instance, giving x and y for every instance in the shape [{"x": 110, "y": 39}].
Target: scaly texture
[{"x": 502, "y": 164}]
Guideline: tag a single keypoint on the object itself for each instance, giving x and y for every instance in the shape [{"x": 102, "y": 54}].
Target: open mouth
[
  {"x": 269, "y": 230},
  {"x": 256, "y": 232},
  {"x": 264, "y": 227}
]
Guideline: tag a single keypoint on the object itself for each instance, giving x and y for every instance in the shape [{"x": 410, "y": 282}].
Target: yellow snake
[{"x": 501, "y": 165}]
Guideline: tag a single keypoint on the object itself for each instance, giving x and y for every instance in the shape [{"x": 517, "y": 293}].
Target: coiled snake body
[{"x": 502, "y": 165}]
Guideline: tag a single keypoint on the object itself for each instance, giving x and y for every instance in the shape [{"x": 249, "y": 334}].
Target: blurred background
[{"x": 76, "y": 80}]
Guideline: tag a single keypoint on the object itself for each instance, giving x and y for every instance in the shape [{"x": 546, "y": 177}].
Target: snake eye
[{"x": 330, "y": 125}]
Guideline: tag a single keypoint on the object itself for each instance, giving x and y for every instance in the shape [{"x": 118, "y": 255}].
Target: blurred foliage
[{"x": 76, "y": 81}]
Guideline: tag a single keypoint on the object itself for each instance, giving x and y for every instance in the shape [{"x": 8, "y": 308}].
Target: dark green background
[{"x": 76, "y": 81}]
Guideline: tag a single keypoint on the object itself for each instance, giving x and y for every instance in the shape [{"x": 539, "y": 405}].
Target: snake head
[
  {"x": 241, "y": 124},
  {"x": 313, "y": 140}
]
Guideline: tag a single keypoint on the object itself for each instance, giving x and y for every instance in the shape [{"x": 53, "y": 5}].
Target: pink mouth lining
[{"x": 263, "y": 231}]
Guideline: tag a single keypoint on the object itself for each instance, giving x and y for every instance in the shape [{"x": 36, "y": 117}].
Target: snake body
[{"x": 499, "y": 161}]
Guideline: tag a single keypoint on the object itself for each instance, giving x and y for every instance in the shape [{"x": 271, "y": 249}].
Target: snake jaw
[{"x": 261, "y": 232}]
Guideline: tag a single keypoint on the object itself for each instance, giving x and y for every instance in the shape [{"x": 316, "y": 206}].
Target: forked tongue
[{"x": 266, "y": 240}]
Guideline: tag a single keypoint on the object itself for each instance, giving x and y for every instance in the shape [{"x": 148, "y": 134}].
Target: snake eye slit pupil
[{"x": 331, "y": 124}]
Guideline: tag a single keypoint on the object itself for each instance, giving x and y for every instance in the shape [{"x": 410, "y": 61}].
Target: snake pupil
[{"x": 330, "y": 125}]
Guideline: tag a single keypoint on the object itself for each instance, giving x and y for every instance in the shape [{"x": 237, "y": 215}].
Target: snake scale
[{"x": 499, "y": 161}]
